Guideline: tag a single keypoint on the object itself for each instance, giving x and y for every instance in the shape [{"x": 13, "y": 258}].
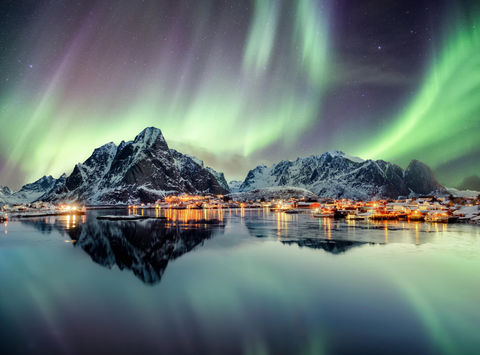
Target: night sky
[{"x": 238, "y": 83}]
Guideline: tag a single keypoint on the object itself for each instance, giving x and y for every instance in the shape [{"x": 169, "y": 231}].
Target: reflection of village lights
[
  {"x": 417, "y": 233},
  {"x": 386, "y": 231}
]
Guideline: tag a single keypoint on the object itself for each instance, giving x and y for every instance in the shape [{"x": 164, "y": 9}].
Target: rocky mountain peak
[
  {"x": 41, "y": 184},
  {"x": 150, "y": 136},
  {"x": 142, "y": 170},
  {"x": 420, "y": 178}
]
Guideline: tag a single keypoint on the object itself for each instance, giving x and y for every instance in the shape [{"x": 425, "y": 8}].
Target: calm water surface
[{"x": 252, "y": 282}]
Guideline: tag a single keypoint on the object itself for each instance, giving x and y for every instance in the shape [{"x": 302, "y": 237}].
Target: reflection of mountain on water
[
  {"x": 143, "y": 247},
  {"x": 306, "y": 235},
  {"x": 44, "y": 225},
  {"x": 332, "y": 246}
]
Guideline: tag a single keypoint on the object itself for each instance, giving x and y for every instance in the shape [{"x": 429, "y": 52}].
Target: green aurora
[
  {"x": 442, "y": 121},
  {"x": 227, "y": 109},
  {"x": 226, "y": 89}
]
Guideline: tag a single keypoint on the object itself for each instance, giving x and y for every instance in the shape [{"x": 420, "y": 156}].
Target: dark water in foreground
[{"x": 256, "y": 283}]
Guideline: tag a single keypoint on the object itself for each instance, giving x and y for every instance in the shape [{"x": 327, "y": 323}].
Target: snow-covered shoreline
[{"x": 33, "y": 214}]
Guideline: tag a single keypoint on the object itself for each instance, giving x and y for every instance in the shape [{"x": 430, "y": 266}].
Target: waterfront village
[{"x": 423, "y": 208}]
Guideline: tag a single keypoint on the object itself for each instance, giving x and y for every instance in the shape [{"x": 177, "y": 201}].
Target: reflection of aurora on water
[
  {"x": 394, "y": 285},
  {"x": 146, "y": 246}
]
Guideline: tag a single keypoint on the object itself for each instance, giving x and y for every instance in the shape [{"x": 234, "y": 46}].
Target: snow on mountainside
[
  {"x": 463, "y": 193},
  {"x": 146, "y": 169},
  {"x": 183, "y": 161},
  {"x": 271, "y": 193},
  {"x": 142, "y": 170},
  {"x": 4, "y": 194},
  {"x": 234, "y": 185},
  {"x": 337, "y": 153},
  {"x": 29, "y": 192},
  {"x": 334, "y": 174}
]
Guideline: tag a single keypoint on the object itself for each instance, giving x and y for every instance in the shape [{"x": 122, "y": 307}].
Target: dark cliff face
[
  {"x": 75, "y": 179},
  {"x": 197, "y": 178},
  {"x": 58, "y": 187},
  {"x": 220, "y": 178},
  {"x": 146, "y": 160},
  {"x": 420, "y": 178},
  {"x": 142, "y": 170},
  {"x": 335, "y": 175}
]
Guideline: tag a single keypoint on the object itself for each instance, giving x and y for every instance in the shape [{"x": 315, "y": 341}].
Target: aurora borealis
[{"x": 237, "y": 83}]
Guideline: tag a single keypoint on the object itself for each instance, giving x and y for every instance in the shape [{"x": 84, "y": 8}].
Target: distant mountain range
[
  {"x": 337, "y": 175},
  {"x": 146, "y": 169},
  {"x": 470, "y": 183},
  {"x": 28, "y": 193}
]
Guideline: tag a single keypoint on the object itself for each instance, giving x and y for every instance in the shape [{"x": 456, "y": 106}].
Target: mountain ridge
[
  {"x": 146, "y": 169},
  {"x": 142, "y": 170},
  {"x": 334, "y": 174}
]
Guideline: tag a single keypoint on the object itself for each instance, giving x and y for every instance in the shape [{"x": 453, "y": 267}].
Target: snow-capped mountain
[
  {"x": 274, "y": 193},
  {"x": 146, "y": 169},
  {"x": 4, "y": 194},
  {"x": 337, "y": 175},
  {"x": 220, "y": 178},
  {"x": 142, "y": 170},
  {"x": 234, "y": 185},
  {"x": 29, "y": 192}
]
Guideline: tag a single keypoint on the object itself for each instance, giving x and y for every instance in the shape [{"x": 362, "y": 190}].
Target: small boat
[
  {"x": 437, "y": 218},
  {"x": 339, "y": 214},
  {"x": 416, "y": 216},
  {"x": 452, "y": 219},
  {"x": 278, "y": 209},
  {"x": 383, "y": 216},
  {"x": 292, "y": 211},
  {"x": 323, "y": 215},
  {"x": 354, "y": 217}
]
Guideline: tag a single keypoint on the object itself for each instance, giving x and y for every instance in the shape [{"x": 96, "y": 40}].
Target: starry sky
[{"x": 239, "y": 83}]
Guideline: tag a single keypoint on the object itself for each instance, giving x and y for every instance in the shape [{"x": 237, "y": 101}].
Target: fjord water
[{"x": 237, "y": 281}]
